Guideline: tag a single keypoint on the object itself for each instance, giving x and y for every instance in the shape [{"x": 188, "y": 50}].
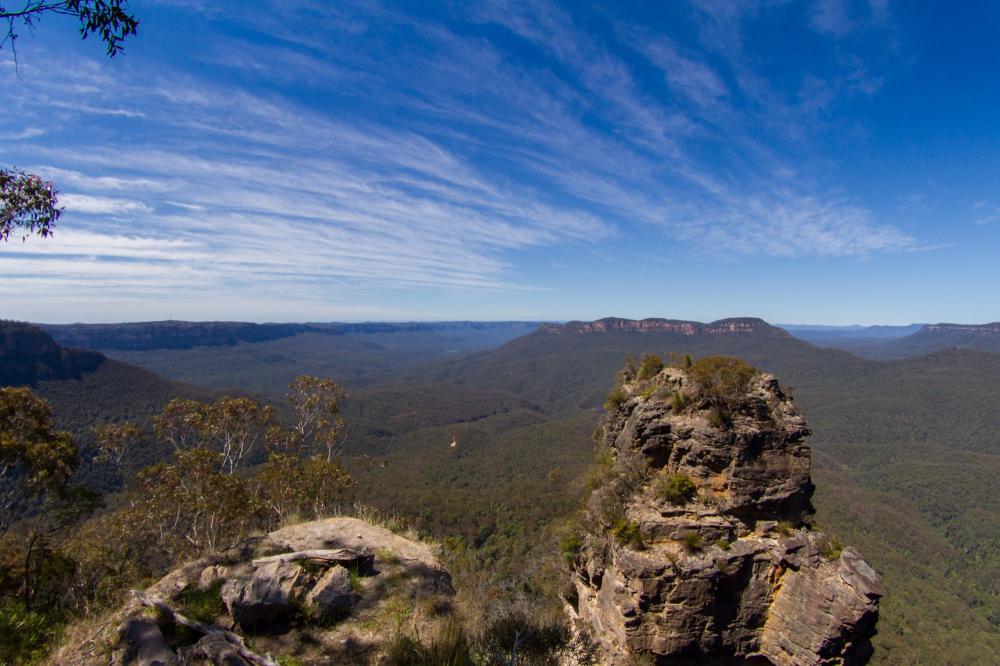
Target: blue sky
[{"x": 831, "y": 162}]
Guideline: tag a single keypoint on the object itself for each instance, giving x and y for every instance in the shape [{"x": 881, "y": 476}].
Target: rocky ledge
[{"x": 695, "y": 546}]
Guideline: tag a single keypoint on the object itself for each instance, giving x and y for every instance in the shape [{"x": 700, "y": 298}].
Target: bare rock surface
[
  {"x": 263, "y": 597},
  {"x": 727, "y": 572},
  {"x": 142, "y": 644}
]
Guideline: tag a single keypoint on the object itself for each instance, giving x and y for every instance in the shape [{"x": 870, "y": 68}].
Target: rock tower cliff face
[{"x": 694, "y": 548}]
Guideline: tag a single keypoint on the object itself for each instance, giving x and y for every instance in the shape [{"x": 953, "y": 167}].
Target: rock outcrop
[
  {"x": 327, "y": 591},
  {"x": 694, "y": 546}
]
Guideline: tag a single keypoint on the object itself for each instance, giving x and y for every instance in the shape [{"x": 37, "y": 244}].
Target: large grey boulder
[
  {"x": 212, "y": 649},
  {"x": 264, "y": 597},
  {"x": 332, "y": 595},
  {"x": 141, "y": 643}
]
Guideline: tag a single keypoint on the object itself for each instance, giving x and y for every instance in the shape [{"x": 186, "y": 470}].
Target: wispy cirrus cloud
[{"x": 426, "y": 153}]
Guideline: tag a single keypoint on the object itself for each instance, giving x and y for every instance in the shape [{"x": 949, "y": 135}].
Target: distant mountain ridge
[
  {"x": 29, "y": 355},
  {"x": 991, "y": 328},
  {"x": 145, "y": 336},
  {"x": 729, "y": 326},
  {"x": 888, "y": 342}
]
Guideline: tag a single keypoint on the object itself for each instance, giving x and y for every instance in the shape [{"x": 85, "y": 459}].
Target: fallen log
[{"x": 342, "y": 556}]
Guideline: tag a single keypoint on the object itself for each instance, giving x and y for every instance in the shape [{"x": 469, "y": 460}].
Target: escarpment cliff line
[
  {"x": 695, "y": 546},
  {"x": 731, "y": 326}
]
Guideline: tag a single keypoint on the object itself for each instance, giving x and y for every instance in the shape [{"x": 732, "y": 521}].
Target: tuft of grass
[
  {"x": 677, "y": 401},
  {"x": 354, "y": 579},
  {"x": 785, "y": 528},
  {"x": 627, "y": 533},
  {"x": 677, "y": 488},
  {"x": 724, "y": 544},
  {"x": 692, "y": 541},
  {"x": 831, "y": 548}
]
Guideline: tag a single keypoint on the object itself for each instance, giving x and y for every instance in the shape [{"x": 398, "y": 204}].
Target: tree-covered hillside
[{"x": 905, "y": 452}]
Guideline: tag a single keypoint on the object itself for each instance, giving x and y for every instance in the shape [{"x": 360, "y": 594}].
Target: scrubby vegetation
[
  {"x": 201, "y": 500},
  {"x": 677, "y": 488},
  {"x": 650, "y": 366},
  {"x": 722, "y": 381}
]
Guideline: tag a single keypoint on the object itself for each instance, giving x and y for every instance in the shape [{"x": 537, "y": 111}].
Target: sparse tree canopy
[
  {"x": 27, "y": 203},
  {"x": 108, "y": 19},
  {"x": 34, "y": 457}
]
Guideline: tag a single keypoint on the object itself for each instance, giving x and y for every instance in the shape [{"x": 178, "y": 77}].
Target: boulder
[
  {"x": 263, "y": 597},
  {"x": 212, "y": 649},
  {"x": 332, "y": 594},
  {"x": 141, "y": 643}
]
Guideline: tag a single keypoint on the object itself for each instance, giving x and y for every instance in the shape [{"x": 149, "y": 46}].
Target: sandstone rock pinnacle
[{"x": 695, "y": 546}]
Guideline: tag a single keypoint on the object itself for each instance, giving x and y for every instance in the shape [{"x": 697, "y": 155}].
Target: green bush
[
  {"x": 615, "y": 399},
  {"x": 627, "y": 533},
  {"x": 677, "y": 488},
  {"x": 24, "y": 634},
  {"x": 722, "y": 381},
  {"x": 678, "y": 401},
  {"x": 650, "y": 367}
]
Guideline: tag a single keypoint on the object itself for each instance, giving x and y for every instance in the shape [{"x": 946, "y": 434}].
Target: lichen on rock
[{"x": 695, "y": 541}]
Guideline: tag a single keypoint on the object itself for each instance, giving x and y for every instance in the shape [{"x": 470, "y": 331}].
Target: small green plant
[
  {"x": 692, "y": 541},
  {"x": 678, "y": 401},
  {"x": 677, "y": 488},
  {"x": 289, "y": 660},
  {"x": 650, "y": 367},
  {"x": 648, "y": 392},
  {"x": 355, "y": 580},
  {"x": 570, "y": 539},
  {"x": 785, "y": 528},
  {"x": 387, "y": 556},
  {"x": 202, "y": 605},
  {"x": 569, "y": 546},
  {"x": 627, "y": 533},
  {"x": 831, "y": 548},
  {"x": 601, "y": 471},
  {"x": 724, "y": 544},
  {"x": 615, "y": 399}
]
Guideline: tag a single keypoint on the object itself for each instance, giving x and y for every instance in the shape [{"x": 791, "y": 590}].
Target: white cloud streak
[{"x": 469, "y": 158}]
